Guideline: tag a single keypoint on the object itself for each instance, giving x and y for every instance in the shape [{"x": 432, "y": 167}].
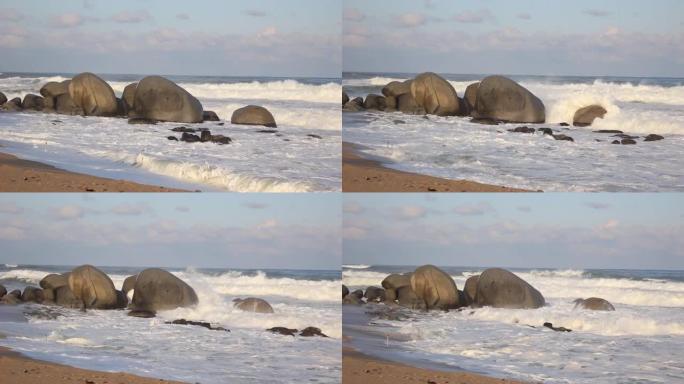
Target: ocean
[
  {"x": 455, "y": 148},
  {"x": 641, "y": 342},
  {"x": 109, "y": 340},
  {"x": 291, "y": 161}
]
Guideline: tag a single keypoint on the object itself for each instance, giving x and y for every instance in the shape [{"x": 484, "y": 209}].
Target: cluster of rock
[
  {"x": 493, "y": 100},
  {"x": 152, "y": 99},
  {"x": 429, "y": 288},
  {"x": 306, "y": 332},
  {"x": 187, "y": 135}
]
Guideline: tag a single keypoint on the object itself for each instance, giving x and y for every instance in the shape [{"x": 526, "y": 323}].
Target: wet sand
[
  {"x": 358, "y": 368},
  {"x": 364, "y": 175},
  {"x": 19, "y": 175},
  {"x": 16, "y": 368}
]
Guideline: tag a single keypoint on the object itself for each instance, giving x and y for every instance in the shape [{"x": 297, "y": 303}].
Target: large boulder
[
  {"x": 33, "y": 102},
  {"x": 65, "y": 105},
  {"x": 374, "y": 101},
  {"x": 436, "y": 95},
  {"x": 253, "y": 115},
  {"x": 408, "y": 105},
  {"x": 500, "y": 98},
  {"x": 10, "y": 300},
  {"x": 435, "y": 287},
  {"x": 161, "y": 99},
  {"x": 33, "y": 295},
  {"x": 594, "y": 304},
  {"x": 500, "y": 288},
  {"x": 129, "y": 284},
  {"x": 585, "y": 116},
  {"x": 470, "y": 289},
  {"x": 64, "y": 297},
  {"x": 156, "y": 289},
  {"x": 54, "y": 281},
  {"x": 393, "y": 282},
  {"x": 128, "y": 97},
  {"x": 374, "y": 294},
  {"x": 253, "y": 304},
  {"x": 93, "y": 95},
  {"x": 470, "y": 96},
  {"x": 92, "y": 287}
]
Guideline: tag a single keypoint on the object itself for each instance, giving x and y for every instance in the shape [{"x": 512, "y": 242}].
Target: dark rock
[
  {"x": 615, "y": 142},
  {"x": 266, "y": 131},
  {"x": 435, "y": 287},
  {"x": 32, "y": 294},
  {"x": 352, "y": 299},
  {"x": 172, "y": 138},
  {"x": 523, "y": 130},
  {"x": 142, "y": 314},
  {"x": 141, "y": 120},
  {"x": 10, "y": 300},
  {"x": 501, "y": 98},
  {"x": 220, "y": 139},
  {"x": 3, "y": 290},
  {"x": 586, "y": 116},
  {"x": 156, "y": 290},
  {"x": 608, "y": 131},
  {"x": 253, "y": 115},
  {"x": 374, "y": 101},
  {"x": 627, "y": 142},
  {"x": 653, "y": 137},
  {"x": 563, "y": 138},
  {"x": 93, "y": 95},
  {"x": 594, "y": 304},
  {"x": 398, "y": 122},
  {"x": 16, "y": 293},
  {"x": 3, "y": 98},
  {"x": 374, "y": 294},
  {"x": 13, "y": 105},
  {"x": 345, "y": 98},
  {"x": 160, "y": 99},
  {"x": 189, "y": 138},
  {"x": 500, "y": 288},
  {"x": 51, "y": 90},
  {"x": 210, "y": 116},
  {"x": 253, "y": 304},
  {"x": 564, "y": 124},
  {"x": 33, "y": 102},
  {"x": 625, "y": 136},
  {"x": 557, "y": 329},
  {"x": 283, "y": 331},
  {"x": 311, "y": 331},
  {"x": 546, "y": 131},
  {"x": 121, "y": 300},
  {"x": 485, "y": 121},
  {"x": 345, "y": 291},
  {"x": 184, "y": 129},
  {"x": 92, "y": 287},
  {"x": 314, "y": 136},
  {"x": 197, "y": 323},
  {"x": 353, "y": 105},
  {"x": 205, "y": 136}
]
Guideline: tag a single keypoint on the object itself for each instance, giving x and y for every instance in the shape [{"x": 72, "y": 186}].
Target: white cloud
[
  {"x": 131, "y": 17},
  {"x": 410, "y": 20},
  {"x": 68, "y": 212},
  {"x": 470, "y": 17},
  {"x": 130, "y": 209},
  {"x": 353, "y": 14},
  {"x": 67, "y": 20},
  {"x": 10, "y": 208},
  {"x": 12, "y": 233},
  {"x": 352, "y": 207},
  {"x": 354, "y": 233},
  {"x": 474, "y": 209},
  {"x": 267, "y": 224},
  {"x": 409, "y": 212}
]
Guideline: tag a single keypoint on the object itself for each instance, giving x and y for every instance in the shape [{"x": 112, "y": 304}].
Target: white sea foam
[{"x": 356, "y": 266}]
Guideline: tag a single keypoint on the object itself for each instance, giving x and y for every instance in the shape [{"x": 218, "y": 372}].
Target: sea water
[
  {"x": 455, "y": 148},
  {"x": 287, "y": 161},
  {"x": 642, "y": 341},
  {"x": 110, "y": 340}
]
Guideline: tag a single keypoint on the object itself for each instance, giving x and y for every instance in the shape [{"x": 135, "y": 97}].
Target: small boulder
[
  {"x": 210, "y": 116},
  {"x": 92, "y": 287},
  {"x": 142, "y": 314},
  {"x": 503, "y": 99},
  {"x": 283, "y": 331},
  {"x": 522, "y": 130},
  {"x": 436, "y": 95},
  {"x": 374, "y": 101},
  {"x": 156, "y": 290},
  {"x": 129, "y": 284},
  {"x": 500, "y": 288},
  {"x": 190, "y": 138},
  {"x": 253, "y": 304},
  {"x": 653, "y": 137},
  {"x": 93, "y": 95},
  {"x": 397, "y": 88},
  {"x": 220, "y": 139},
  {"x": 393, "y": 282},
  {"x": 33, "y": 102},
  {"x": 353, "y": 105},
  {"x": 54, "y": 281},
  {"x": 594, "y": 304},
  {"x": 470, "y": 96},
  {"x": 253, "y": 115},
  {"x": 141, "y": 120},
  {"x": 128, "y": 97},
  {"x": 374, "y": 294},
  {"x": 628, "y": 142},
  {"x": 3, "y": 290},
  {"x": 546, "y": 131},
  {"x": 161, "y": 99},
  {"x": 121, "y": 300},
  {"x": 13, "y": 105},
  {"x": 470, "y": 289},
  {"x": 10, "y": 300},
  {"x": 51, "y": 90},
  {"x": 585, "y": 116},
  {"x": 345, "y": 98},
  {"x": 563, "y": 138},
  {"x": 202, "y": 324},
  {"x": 557, "y": 329},
  {"x": 435, "y": 287},
  {"x": 345, "y": 291},
  {"x": 32, "y": 294},
  {"x": 351, "y": 299},
  {"x": 3, "y": 98},
  {"x": 311, "y": 331}
]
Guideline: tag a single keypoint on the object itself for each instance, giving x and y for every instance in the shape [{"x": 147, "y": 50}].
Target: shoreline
[
  {"x": 358, "y": 368},
  {"x": 16, "y": 368},
  {"x": 20, "y": 175},
  {"x": 360, "y": 174}
]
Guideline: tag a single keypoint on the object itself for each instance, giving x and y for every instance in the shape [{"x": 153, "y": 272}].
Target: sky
[
  {"x": 524, "y": 37},
  {"x": 173, "y": 37},
  {"x": 222, "y": 230},
  {"x": 549, "y": 230}
]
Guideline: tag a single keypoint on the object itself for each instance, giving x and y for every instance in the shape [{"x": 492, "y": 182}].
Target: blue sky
[
  {"x": 296, "y": 231},
  {"x": 534, "y": 37},
  {"x": 552, "y": 230},
  {"x": 202, "y": 37}
]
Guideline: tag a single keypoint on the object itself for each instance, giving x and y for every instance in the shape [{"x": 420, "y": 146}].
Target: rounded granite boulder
[
  {"x": 158, "y": 98},
  {"x": 500, "y": 98},
  {"x": 500, "y": 288},
  {"x": 156, "y": 289},
  {"x": 93, "y": 95},
  {"x": 253, "y": 115},
  {"x": 92, "y": 287},
  {"x": 435, "y": 287},
  {"x": 436, "y": 95}
]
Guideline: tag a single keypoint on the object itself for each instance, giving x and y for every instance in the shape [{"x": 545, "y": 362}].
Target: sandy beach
[
  {"x": 360, "y": 369},
  {"x": 17, "y": 368},
  {"x": 363, "y": 175},
  {"x": 19, "y": 175}
]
